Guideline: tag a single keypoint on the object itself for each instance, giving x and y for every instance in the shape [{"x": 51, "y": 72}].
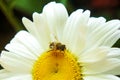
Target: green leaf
[{"x": 30, "y": 6}]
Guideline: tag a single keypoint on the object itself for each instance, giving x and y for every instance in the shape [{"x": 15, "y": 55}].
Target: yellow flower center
[{"x": 57, "y": 65}]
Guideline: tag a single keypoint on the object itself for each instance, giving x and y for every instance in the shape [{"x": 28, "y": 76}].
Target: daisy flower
[{"x": 62, "y": 47}]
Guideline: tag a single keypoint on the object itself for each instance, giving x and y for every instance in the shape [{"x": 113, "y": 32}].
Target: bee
[{"x": 57, "y": 46}]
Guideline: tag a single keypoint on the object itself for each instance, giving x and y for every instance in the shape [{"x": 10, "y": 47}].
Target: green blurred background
[{"x": 12, "y": 11}]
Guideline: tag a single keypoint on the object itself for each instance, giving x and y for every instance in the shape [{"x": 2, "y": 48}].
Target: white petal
[
  {"x": 16, "y": 63},
  {"x": 75, "y": 31},
  {"x": 111, "y": 39},
  {"x": 94, "y": 23},
  {"x": 29, "y": 25},
  {"x": 101, "y": 66},
  {"x": 56, "y": 16},
  {"x": 93, "y": 57},
  {"x": 19, "y": 77},
  {"x": 40, "y": 31},
  {"x": 5, "y": 74},
  {"x": 101, "y": 77},
  {"x": 24, "y": 44},
  {"x": 115, "y": 71},
  {"x": 69, "y": 24},
  {"x": 23, "y": 51},
  {"x": 105, "y": 34},
  {"x": 94, "y": 54},
  {"x": 114, "y": 53}
]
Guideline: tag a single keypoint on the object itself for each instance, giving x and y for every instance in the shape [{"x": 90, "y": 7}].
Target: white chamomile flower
[{"x": 58, "y": 47}]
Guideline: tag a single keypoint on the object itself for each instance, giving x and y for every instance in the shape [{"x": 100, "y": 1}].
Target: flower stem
[{"x": 9, "y": 15}]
